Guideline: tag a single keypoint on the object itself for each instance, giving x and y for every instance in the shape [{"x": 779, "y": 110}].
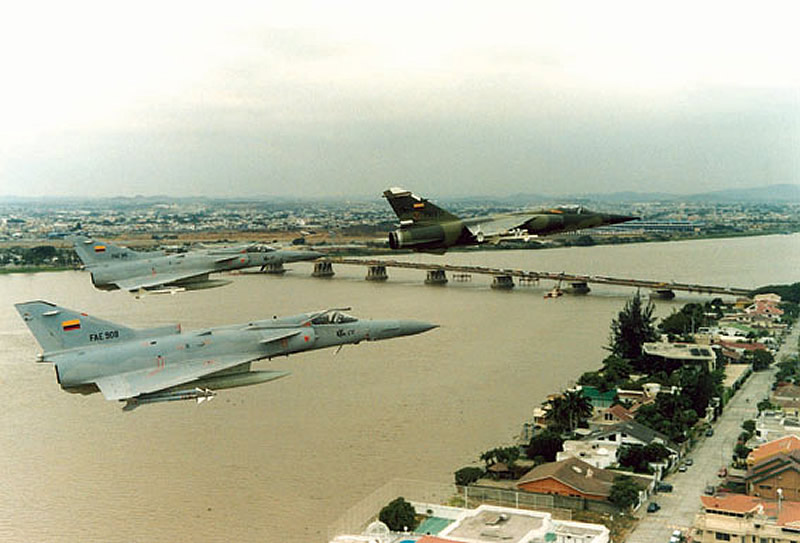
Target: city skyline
[{"x": 309, "y": 100}]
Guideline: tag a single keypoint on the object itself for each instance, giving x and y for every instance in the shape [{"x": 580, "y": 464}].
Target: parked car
[
  {"x": 689, "y": 462},
  {"x": 682, "y": 468},
  {"x": 677, "y": 537},
  {"x": 664, "y": 487},
  {"x": 723, "y": 472},
  {"x": 709, "y": 432},
  {"x": 710, "y": 490},
  {"x": 652, "y": 507}
]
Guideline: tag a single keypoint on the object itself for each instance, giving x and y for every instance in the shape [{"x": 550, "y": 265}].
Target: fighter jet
[
  {"x": 113, "y": 267},
  {"x": 165, "y": 364},
  {"x": 428, "y": 228}
]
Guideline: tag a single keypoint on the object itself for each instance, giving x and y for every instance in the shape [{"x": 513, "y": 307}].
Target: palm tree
[{"x": 578, "y": 408}]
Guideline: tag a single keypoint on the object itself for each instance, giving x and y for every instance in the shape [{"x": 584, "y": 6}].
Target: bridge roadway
[{"x": 536, "y": 275}]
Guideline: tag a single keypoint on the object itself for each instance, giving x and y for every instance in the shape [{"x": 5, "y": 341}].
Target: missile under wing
[
  {"x": 114, "y": 267},
  {"x": 426, "y": 227},
  {"x": 162, "y": 364}
]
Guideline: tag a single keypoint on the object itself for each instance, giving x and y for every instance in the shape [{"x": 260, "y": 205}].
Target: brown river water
[{"x": 280, "y": 462}]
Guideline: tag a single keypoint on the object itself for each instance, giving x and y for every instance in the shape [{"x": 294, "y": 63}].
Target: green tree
[
  {"x": 640, "y": 457},
  {"x": 764, "y": 405},
  {"x": 760, "y": 359},
  {"x": 686, "y": 320},
  {"x": 699, "y": 385},
  {"x": 616, "y": 369},
  {"x": 632, "y": 327},
  {"x": 568, "y": 411},
  {"x": 467, "y": 476},
  {"x": 506, "y": 455},
  {"x": 670, "y": 414},
  {"x": 741, "y": 451},
  {"x": 624, "y": 492},
  {"x": 398, "y": 515},
  {"x": 788, "y": 293},
  {"x": 546, "y": 445}
]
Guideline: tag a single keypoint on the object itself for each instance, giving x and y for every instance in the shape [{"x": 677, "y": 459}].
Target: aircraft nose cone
[
  {"x": 409, "y": 328},
  {"x": 390, "y": 329},
  {"x": 299, "y": 256},
  {"x": 617, "y": 219}
]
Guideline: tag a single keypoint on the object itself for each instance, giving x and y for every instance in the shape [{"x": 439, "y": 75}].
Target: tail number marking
[{"x": 104, "y": 335}]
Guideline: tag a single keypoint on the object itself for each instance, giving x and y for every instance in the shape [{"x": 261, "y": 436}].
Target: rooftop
[
  {"x": 489, "y": 524},
  {"x": 783, "y": 445},
  {"x": 785, "y": 513},
  {"x": 679, "y": 351}
]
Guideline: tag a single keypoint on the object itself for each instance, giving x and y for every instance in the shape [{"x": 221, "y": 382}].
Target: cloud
[{"x": 269, "y": 98}]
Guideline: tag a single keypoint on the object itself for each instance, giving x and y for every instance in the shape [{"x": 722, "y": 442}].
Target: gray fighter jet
[
  {"x": 425, "y": 227},
  {"x": 165, "y": 364},
  {"x": 113, "y": 267}
]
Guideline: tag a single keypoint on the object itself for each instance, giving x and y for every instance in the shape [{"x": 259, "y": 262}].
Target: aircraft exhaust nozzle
[
  {"x": 390, "y": 329},
  {"x": 396, "y": 239}
]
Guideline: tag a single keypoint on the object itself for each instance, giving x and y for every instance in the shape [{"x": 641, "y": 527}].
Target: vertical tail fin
[
  {"x": 57, "y": 328},
  {"x": 93, "y": 252},
  {"x": 411, "y": 209}
]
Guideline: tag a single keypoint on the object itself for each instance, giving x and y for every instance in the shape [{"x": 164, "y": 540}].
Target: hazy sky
[{"x": 336, "y": 98}]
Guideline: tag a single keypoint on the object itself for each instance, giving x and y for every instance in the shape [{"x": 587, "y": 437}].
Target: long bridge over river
[{"x": 503, "y": 278}]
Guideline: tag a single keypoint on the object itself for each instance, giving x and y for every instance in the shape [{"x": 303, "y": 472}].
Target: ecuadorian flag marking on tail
[
  {"x": 74, "y": 324},
  {"x": 99, "y": 248},
  {"x": 419, "y": 205}
]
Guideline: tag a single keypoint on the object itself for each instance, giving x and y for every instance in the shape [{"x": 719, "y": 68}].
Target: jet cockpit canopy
[
  {"x": 576, "y": 209},
  {"x": 333, "y": 317},
  {"x": 259, "y": 248}
]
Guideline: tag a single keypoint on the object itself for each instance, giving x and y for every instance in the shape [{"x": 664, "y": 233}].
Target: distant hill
[
  {"x": 772, "y": 193},
  {"x": 785, "y": 193}
]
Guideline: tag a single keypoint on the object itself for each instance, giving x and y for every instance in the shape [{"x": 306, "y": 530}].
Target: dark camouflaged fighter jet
[{"x": 428, "y": 228}]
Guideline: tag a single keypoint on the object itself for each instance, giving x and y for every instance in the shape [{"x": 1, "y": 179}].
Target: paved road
[{"x": 679, "y": 507}]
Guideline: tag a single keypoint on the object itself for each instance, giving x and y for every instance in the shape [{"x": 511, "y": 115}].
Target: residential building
[
  {"x": 772, "y": 425},
  {"x": 610, "y": 416},
  {"x": 599, "y": 400},
  {"x": 787, "y": 396},
  {"x": 684, "y": 353},
  {"x": 486, "y": 524},
  {"x": 570, "y": 477},
  {"x": 775, "y": 477},
  {"x": 746, "y": 519},
  {"x": 575, "y": 478},
  {"x": 783, "y": 445},
  {"x": 600, "y": 456},
  {"x": 630, "y": 433}
]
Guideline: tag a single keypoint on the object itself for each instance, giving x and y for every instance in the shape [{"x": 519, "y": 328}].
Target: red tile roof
[
  {"x": 740, "y": 345},
  {"x": 741, "y": 504},
  {"x": 790, "y": 514},
  {"x": 784, "y": 445},
  {"x": 732, "y": 503}
]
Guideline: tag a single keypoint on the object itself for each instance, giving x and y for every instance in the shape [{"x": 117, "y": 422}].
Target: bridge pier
[
  {"x": 436, "y": 277},
  {"x": 323, "y": 268},
  {"x": 505, "y": 282},
  {"x": 273, "y": 268},
  {"x": 579, "y": 287},
  {"x": 663, "y": 294},
  {"x": 376, "y": 273}
]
